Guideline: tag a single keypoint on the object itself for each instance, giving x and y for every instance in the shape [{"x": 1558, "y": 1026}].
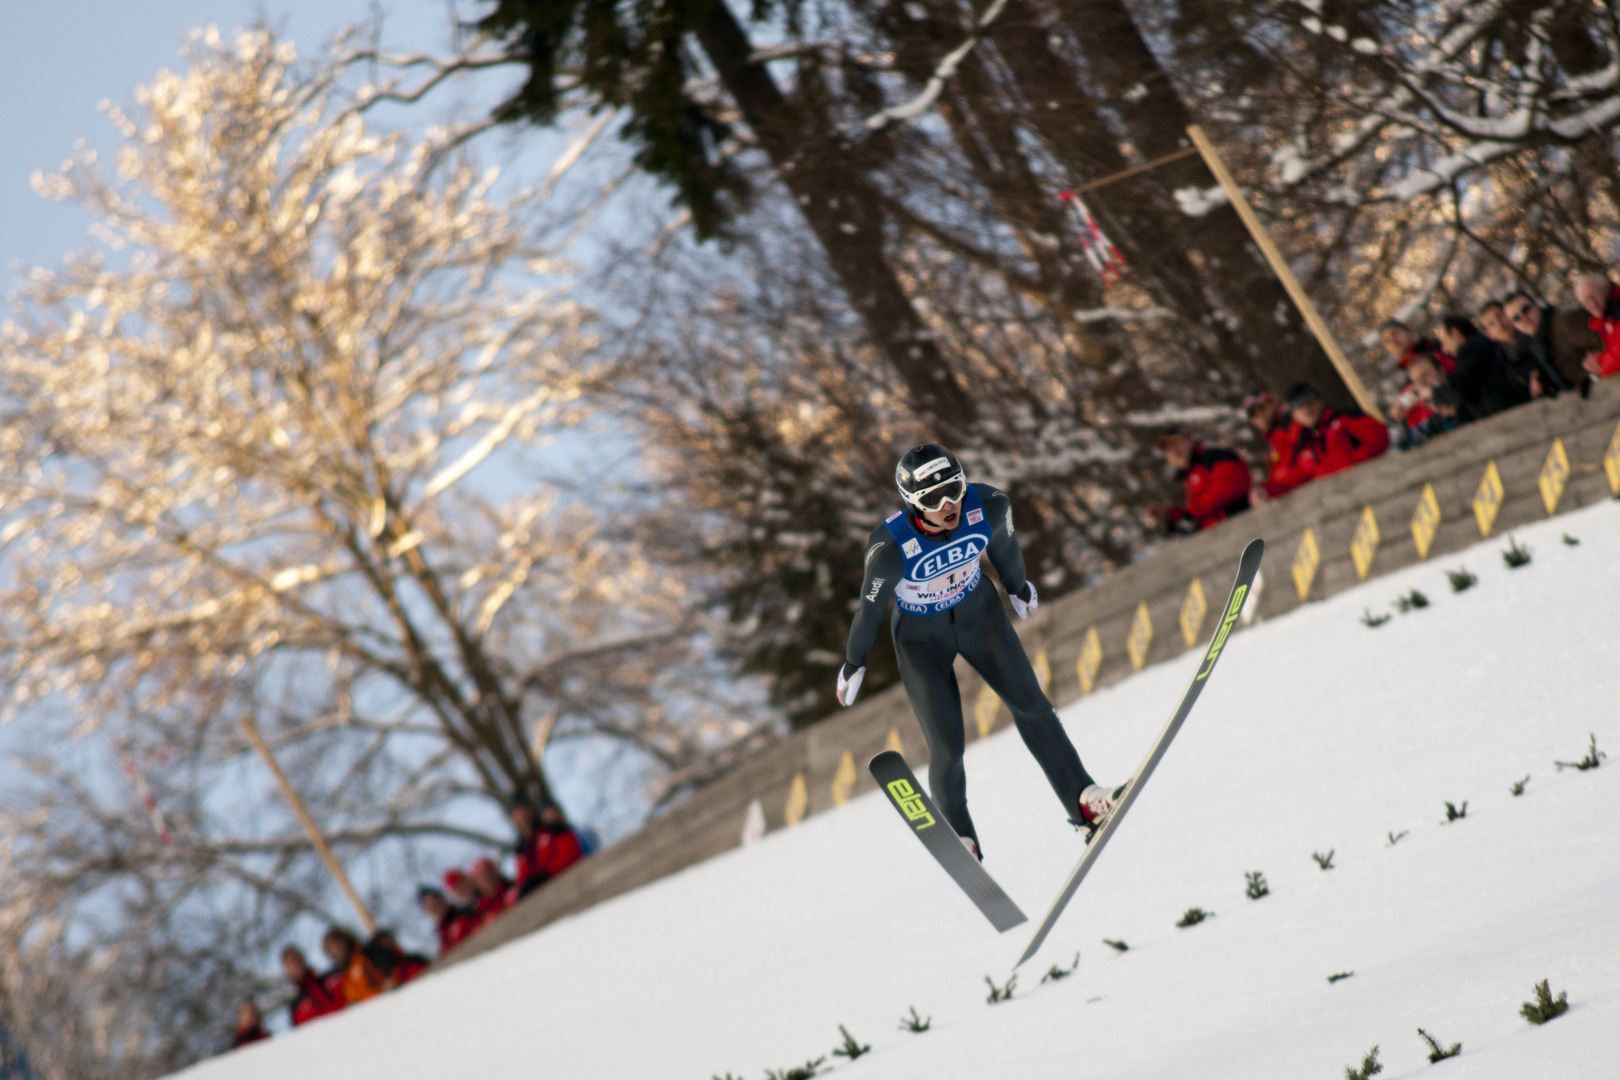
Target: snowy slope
[{"x": 1316, "y": 733}]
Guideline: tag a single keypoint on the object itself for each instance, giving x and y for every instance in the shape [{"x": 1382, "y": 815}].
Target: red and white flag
[
  {"x": 1099, "y": 251},
  {"x": 138, "y": 779}
]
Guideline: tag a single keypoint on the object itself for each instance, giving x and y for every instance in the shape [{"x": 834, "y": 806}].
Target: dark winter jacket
[
  {"x": 1540, "y": 352},
  {"x": 396, "y": 966},
  {"x": 240, "y": 1038},
  {"x": 1485, "y": 380}
]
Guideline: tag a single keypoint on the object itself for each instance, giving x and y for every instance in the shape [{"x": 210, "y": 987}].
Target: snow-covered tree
[{"x": 273, "y": 453}]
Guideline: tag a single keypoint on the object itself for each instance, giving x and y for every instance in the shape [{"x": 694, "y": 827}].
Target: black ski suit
[{"x": 977, "y": 628}]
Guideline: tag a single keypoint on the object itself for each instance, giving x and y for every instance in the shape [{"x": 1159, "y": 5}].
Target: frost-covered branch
[{"x": 943, "y": 73}]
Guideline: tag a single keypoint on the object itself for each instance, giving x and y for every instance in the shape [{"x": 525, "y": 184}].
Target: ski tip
[{"x": 881, "y": 758}]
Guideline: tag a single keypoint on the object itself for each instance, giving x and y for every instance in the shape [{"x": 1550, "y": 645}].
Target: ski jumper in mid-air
[{"x": 926, "y": 558}]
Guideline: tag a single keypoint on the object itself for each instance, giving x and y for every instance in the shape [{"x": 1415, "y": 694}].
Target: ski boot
[{"x": 1097, "y": 805}]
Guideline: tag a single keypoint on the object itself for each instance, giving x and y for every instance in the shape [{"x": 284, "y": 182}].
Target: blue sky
[{"x": 60, "y": 60}]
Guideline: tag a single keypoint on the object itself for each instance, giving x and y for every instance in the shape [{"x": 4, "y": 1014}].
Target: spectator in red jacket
[
  {"x": 495, "y": 893},
  {"x": 546, "y": 844},
  {"x": 1215, "y": 479},
  {"x": 453, "y": 922},
  {"x": 460, "y": 889},
  {"x": 315, "y": 997},
  {"x": 1402, "y": 345},
  {"x": 1328, "y": 441},
  {"x": 1272, "y": 421},
  {"x": 1427, "y": 406},
  {"x": 564, "y": 848},
  {"x": 1601, "y": 299},
  {"x": 249, "y": 1026}
]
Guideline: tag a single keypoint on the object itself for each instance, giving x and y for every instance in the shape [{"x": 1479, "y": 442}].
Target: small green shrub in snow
[
  {"x": 851, "y": 1048},
  {"x": 1117, "y": 946},
  {"x": 1412, "y": 601},
  {"x": 1438, "y": 1053},
  {"x": 1570, "y": 541},
  {"x": 1000, "y": 993},
  {"x": 1323, "y": 862},
  {"x": 1518, "y": 785},
  {"x": 1461, "y": 580},
  {"x": 1058, "y": 974},
  {"x": 1515, "y": 555},
  {"x": 1339, "y": 975},
  {"x": 1544, "y": 1008},
  {"x": 915, "y": 1023},
  {"x": 1369, "y": 1067},
  {"x": 1396, "y": 837},
  {"x": 1372, "y": 621},
  {"x": 1193, "y": 916},
  {"x": 1594, "y": 757},
  {"x": 798, "y": 1072},
  {"x": 1453, "y": 813},
  {"x": 1257, "y": 886}
]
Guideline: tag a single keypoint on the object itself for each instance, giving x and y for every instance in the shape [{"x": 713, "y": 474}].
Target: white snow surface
[{"x": 1315, "y": 733}]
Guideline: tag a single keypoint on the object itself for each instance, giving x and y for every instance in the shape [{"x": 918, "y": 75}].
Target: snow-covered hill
[{"x": 1317, "y": 733}]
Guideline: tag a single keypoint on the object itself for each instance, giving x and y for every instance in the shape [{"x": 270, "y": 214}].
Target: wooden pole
[
  {"x": 315, "y": 837},
  {"x": 1212, "y": 158}
]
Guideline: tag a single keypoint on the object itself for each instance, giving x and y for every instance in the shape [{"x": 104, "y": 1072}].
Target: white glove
[
  {"x": 1024, "y": 607},
  {"x": 849, "y": 683}
]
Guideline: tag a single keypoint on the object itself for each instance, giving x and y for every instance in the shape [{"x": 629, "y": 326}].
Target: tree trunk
[{"x": 825, "y": 175}]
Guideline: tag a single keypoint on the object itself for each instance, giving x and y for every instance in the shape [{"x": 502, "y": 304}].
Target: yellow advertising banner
[
  {"x": 1611, "y": 461},
  {"x": 1043, "y": 669},
  {"x": 1488, "y": 499},
  {"x": 1193, "y": 610},
  {"x": 844, "y": 779},
  {"x": 1425, "y": 521},
  {"x": 1089, "y": 661},
  {"x": 1554, "y": 475},
  {"x": 798, "y": 801},
  {"x": 1140, "y": 637},
  {"x": 1364, "y": 543},
  {"x": 1306, "y": 559},
  {"x": 894, "y": 742}
]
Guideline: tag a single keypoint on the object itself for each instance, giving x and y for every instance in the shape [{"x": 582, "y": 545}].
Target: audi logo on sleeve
[{"x": 939, "y": 576}]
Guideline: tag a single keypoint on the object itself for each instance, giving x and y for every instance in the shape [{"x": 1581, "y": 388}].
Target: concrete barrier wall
[{"x": 809, "y": 773}]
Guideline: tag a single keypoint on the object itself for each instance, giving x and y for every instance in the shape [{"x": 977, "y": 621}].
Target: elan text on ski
[{"x": 925, "y": 557}]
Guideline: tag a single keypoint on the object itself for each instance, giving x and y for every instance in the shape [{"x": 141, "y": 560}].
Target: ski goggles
[{"x": 930, "y": 499}]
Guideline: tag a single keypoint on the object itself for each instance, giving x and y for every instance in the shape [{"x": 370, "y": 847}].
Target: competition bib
[{"x": 938, "y": 576}]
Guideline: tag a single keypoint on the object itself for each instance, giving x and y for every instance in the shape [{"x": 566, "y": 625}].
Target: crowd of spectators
[
  {"x": 470, "y": 900},
  {"x": 1514, "y": 350}
]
